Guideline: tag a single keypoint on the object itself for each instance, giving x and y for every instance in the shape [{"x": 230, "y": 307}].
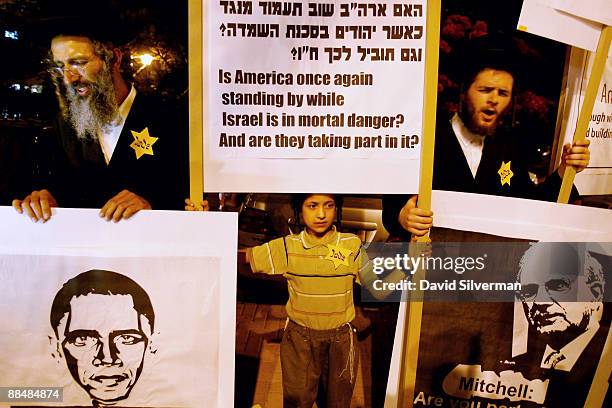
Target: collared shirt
[
  {"x": 571, "y": 351},
  {"x": 471, "y": 143},
  {"x": 320, "y": 291},
  {"x": 109, "y": 135}
]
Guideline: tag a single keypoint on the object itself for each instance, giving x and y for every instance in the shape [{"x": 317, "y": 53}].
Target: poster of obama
[
  {"x": 542, "y": 350},
  {"x": 125, "y": 331}
]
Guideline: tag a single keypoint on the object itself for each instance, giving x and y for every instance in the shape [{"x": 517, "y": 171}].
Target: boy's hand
[
  {"x": 244, "y": 262},
  {"x": 190, "y": 206},
  {"x": 415, "y": 220},
  {"x": 243, "y": 256}
]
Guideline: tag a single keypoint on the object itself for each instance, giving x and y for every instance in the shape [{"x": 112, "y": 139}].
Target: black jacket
[
  {"x": 452, "y": 173},
  {"x": 81, "y": 178}
]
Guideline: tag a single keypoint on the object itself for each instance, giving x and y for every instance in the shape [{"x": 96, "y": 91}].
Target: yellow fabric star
[
  {"x": 338, "y": 255},
  {"x": 505, "y": 173},
  {"x": 143, "y": 142}
]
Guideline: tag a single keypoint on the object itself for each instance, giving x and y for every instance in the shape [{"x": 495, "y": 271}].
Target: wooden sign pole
[
  {"x": 196, "y": 138},
  {"x": 412, "y": 324},
  {"x": 584, "y": 118}
]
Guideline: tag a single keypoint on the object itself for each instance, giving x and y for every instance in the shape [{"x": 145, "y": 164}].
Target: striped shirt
[{"x": 320, "y": 289}]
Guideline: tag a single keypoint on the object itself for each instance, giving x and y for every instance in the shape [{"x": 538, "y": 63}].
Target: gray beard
[{"x": 91, "y": 114}]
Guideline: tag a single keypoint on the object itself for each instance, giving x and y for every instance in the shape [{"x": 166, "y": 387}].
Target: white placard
[
  {"x": 190, "y": 281},
  {"x": 537, "y": 17},
  {"x": 507, "y": 372},
  {"x": 521, "y": 218},
  {"x": 300, "y": 91},
  {"x": 594, "y": 10},
  {"x": 597, "y": 178}
]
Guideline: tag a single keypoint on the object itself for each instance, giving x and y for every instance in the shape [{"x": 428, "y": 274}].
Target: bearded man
[
  {"x": 116, "y": 149},
  {"x": 476, "y": 153}
]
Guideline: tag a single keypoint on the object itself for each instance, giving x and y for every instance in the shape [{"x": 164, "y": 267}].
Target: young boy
[
  {"x": 319, "y": 346},
  {"x": 319, "y": 343}
]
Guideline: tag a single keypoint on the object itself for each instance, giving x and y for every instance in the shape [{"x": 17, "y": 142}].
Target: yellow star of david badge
[
  {"x": 338, "y": 255},
  {"x": 143, "y": 143},
  {"x": 505, "y": 173}
]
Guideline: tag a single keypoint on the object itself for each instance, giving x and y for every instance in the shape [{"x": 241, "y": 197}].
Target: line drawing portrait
[
  {"x": 131, "y": 318},
  {"x": 103, "y": 323}
]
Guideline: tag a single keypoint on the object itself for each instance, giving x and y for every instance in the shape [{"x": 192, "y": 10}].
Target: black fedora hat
[
  {"x": 104, "y": 25},
  {"x": 495, "y": 51}
]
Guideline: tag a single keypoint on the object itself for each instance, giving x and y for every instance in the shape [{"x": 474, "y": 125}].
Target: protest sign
[
  {"x": 539, "y": 17},
  {"x": 595, "y": 10},
  {"x": 137, "y": 314},
  {"x": 525, "y": 353},
  {"x": 333, "y": 84},
  {"x": 597, "y": 177}
]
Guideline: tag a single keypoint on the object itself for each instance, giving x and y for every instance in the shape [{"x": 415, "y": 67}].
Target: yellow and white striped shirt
[{"x": 320, "y": 290}]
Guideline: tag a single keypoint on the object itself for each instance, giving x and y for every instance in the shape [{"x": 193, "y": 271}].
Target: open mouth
[
  {"x": 109, "y": 380},
  {"x": 546, "y": 318},
  {"x": 82, "y": 90},
  {"x": 489, "y": 114}
]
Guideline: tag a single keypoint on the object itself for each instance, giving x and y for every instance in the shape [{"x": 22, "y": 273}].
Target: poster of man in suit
[{"x": 540, "y": 351}]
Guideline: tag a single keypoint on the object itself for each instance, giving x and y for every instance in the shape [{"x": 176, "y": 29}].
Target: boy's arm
[
  {"x": 191, "y": 206},
  {"x": 368, "y": 277},
  {"x": 244, "y": 267},
  {"x": 381, "y": 291},
  {"x": 269, "y": 258}
]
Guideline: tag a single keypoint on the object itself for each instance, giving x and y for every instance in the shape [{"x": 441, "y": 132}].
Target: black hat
[
  {"x": 102, "y": 25},
  {"x": 498, "y": 52}
]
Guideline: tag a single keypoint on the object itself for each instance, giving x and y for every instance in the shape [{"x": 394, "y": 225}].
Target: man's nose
[
  {"x": 493, "y": 98},
  {"x": 70, "y": 77},
  {"x": 541, "y": 307},
  {"x": 320, "y": 212},
  {"x": 106, "y": 353}
]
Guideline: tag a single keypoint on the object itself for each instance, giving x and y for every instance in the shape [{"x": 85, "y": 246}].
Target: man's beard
[
  {"x": 468, "y": 116},
  {"x": 91, "y": 113}
]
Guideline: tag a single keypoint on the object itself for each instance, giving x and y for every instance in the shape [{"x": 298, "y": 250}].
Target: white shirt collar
[
  {"x": 126, "y": 105},
  {"x": 471, "y": 143},
  {"x": 109, "y": 136},
  {"x": 571, "y": 350}
]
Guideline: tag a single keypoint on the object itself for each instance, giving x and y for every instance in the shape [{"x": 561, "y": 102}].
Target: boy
[{"x": 320, "y": 264}]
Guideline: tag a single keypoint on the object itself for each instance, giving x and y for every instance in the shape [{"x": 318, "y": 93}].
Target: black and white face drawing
[
  {"x": 562, "y": 295},
  {"x": 114, "y": 319},
  {"x": 103, "y": 323}
]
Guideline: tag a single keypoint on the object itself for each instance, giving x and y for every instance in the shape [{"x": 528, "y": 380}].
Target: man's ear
[
  {"x": 461, "y": 99},
  {"x": 55, "y": 348},
  {"x": 152, "y": 347},
  {"x": 117, "y": 56},
  {"x": 597, "y": 291}
]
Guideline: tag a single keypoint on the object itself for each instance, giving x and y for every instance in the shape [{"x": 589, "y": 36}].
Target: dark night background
[
  {"x": 159, "y": 28},
  {"x": 27, "y": 103},
  {"x": 539, "y": 66}
]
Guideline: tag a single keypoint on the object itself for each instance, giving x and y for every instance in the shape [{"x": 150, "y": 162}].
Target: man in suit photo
[{"x": 562, "y": 296}]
